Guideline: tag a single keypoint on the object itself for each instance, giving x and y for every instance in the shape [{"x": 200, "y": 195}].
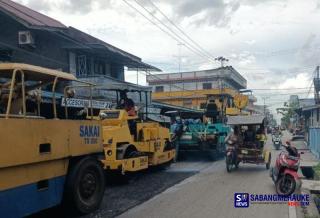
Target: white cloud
[{"x": 302, "y": 80}]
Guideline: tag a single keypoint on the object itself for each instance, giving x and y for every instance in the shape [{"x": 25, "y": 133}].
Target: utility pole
[
  {"x": 137, "y": 76},
  {"x": 264, "y": 105},
  {"x": 179, "y": 56},
  {"x": 222, "y": 60}
]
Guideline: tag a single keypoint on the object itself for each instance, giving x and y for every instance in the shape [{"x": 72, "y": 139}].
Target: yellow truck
[
  {"x": 148, "y": 146},
  {"x": 49, "y": 159},
  {"x": 45, "y": 159},
  {"x": 132, "y": 142}
]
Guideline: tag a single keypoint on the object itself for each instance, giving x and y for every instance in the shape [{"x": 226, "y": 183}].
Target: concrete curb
[
  {"x": 292, "y": 212},
  {"x": 311, "y": 210}
]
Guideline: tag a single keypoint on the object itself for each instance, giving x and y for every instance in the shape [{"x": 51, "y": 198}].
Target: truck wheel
[{"x": 85, "y": 186}]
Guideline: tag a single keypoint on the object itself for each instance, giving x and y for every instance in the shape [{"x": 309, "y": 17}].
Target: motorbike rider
[
  {"x": 261, "y": 136},
  {"x": 284, "y": 173},
  {"x": 234, "y": 136},
  {"x": 291, "y": 149},
  {"x": 234, "y": 139},
  {"x": 177, "y": 128}
]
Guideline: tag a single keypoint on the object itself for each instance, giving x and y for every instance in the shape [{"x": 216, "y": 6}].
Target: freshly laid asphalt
[
  {"x": 210, "y": 193},
  {"x": 196, "y": 188}
]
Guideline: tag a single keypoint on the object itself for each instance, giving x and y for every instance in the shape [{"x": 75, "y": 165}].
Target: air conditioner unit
[{"x": 25, "y": 38}]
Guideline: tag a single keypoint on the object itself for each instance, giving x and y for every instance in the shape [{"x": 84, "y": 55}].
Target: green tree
[{"x": 288, "y": 111}]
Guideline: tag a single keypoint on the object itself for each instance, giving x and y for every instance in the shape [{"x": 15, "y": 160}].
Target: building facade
[
  {"x": 307, "y": 117},
  {"x": 34, "y": 38},
  {"x": 190, "y": 89}
]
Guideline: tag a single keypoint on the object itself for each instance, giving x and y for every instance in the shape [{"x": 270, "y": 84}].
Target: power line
[
  {"x": 276, "y": 89},
  {"x": 173, "y": 32},
  {"x": 179, "y": 29},
  {"x": 173, "y": 35},
  {"x": 313, "y": 75},
  {"x": 281, "y": 94}
]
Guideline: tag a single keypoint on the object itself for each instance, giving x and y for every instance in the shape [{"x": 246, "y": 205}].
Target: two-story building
[
  {"x": 308, "y": 117},
  {"x": 30, "y": 37},
  {"x": 190, "y": 89}
]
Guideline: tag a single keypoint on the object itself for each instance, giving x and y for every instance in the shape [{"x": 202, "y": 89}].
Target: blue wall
[{"x": 314, "y": 141}]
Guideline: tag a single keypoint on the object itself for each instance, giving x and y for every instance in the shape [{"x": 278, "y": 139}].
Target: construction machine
[
  {"x": 131, "y": 141},
  {"x": 45, "y": 159},
  {"x": 207, "y": 133}
]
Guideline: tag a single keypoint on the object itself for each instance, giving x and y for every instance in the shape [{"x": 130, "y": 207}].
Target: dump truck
[{"x": 45, "y": 159}]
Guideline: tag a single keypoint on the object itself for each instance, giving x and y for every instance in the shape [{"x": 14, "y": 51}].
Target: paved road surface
[{"x": 211, "y": 194}]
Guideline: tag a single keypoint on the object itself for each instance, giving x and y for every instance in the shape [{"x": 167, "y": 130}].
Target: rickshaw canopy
[{"x": 34, "y": 72}]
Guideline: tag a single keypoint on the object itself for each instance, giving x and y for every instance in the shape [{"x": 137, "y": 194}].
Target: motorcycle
[
  {"x": 231, "y": 155},
  {"x": 284, "y": 173},
  {"x": 277, "y": 142}
]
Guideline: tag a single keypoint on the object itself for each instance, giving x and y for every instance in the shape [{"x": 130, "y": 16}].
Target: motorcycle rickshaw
[{"x": 247, "y": 143}]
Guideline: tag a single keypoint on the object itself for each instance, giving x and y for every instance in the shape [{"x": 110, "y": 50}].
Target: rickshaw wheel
[
  {"x": 269, "y": 162},
  {"x": 229, "y": 163}
]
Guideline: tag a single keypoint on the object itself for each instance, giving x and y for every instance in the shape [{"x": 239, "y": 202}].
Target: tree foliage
[{"x": 288, "y": 111}]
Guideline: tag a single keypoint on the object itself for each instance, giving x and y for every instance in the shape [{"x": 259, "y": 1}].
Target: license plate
[{"x": 244, "y": 152}]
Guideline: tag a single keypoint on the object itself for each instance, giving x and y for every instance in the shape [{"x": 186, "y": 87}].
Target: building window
[
  {"x": 81, "y": 65},
  {"x": 159, "y": 89},
  {"x": 206, "y": 85},
  {"x": 99, "y": 67}
]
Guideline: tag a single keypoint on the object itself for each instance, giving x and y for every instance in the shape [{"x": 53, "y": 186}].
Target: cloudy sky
[{"x": 272, "y": 43}]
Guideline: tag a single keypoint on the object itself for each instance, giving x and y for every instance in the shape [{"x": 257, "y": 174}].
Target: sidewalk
[{"x": 308, "y": 159}]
